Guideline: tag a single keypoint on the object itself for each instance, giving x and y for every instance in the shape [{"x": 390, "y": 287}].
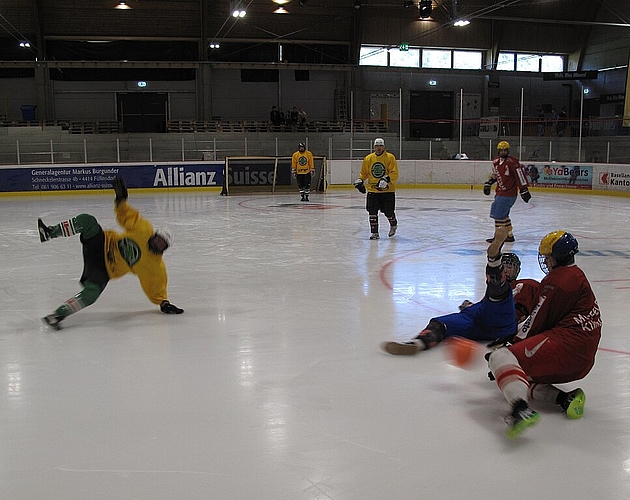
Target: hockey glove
[
  {"x": 360, "y": 186},
  {"x": 383, "y": 183},
  {"x": 167, "y": 308},
  {"x": 487, "y": 187},
  {"x": 526, "y": 195},
  {"x": 120, "y": 188}
]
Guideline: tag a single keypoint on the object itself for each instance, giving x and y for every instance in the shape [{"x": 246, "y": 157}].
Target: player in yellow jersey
[
  {"x": 110, "y": 255},
  {"x": 303, "y": 168},
  {"x": 378, "y": 177}
]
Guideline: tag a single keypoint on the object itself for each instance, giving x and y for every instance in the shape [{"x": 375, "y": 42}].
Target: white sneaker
[{"x": 374, "y": 236}]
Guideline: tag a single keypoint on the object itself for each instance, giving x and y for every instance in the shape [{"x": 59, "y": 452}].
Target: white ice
[{"x": 272, "y": 385}]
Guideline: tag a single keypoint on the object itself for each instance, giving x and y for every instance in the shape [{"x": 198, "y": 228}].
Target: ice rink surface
[{"x": 272, "y": 385}]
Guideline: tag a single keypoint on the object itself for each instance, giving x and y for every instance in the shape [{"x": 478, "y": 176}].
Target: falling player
[
  {"x": 110, "y": 255},
  {"x": 491, "y": 318}
]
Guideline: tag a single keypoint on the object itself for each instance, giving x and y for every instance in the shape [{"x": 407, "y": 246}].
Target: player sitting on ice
[
  {"x": 491, "y": 318},
  {"x": 556, "y": 344},
  {"x": 109, "y": 255}
]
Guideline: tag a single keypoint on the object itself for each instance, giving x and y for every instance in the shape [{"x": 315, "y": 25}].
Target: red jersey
[
  {"x": 566, "y": 313},
  {"x": 525, "y": 293},
  {"x": 510, "y": 176}
]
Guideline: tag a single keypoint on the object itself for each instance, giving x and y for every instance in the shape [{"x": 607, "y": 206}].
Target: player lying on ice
[
  {"x": 495, "y": 318},
  {"x": 491, "y": 318},
  {"x": 109, "y": 255}
]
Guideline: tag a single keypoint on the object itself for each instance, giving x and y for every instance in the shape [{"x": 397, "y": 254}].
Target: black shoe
[{"x": 44, "y": 231}]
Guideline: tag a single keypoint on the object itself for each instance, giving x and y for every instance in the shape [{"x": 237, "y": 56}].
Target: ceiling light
[
  {"x": 238, "y": 13},
  {"x": 25, "y": 45},
  {"x": 122, "y": 5},
  {"x": 281, "y": 10},
  {"x": 281, "y": 2},
  {"x": 426, "y": 7},
  {"x": 357, "y": 4},
  {"x": 461, "y": 22}
]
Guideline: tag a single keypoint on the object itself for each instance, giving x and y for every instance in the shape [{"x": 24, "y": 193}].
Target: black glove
[
  {"x": 360, "y": 186},
  {"x": 120, "y": 188},
  {"x": 501, "y": 342},
  {"x": 525, "y": 195},
  {"x": 487, "y": 187},
  {"x": 167, "y": 308}
]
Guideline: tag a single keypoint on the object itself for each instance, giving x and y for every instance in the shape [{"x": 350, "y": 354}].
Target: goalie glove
[
  {"x": 383, "y": 183},
  {"x": 120, "y": 188},
  {"x": 360, "y": 186},
  {"x": 167, "y": 308},
  {"x": 525, "y": 194},
  {"x": 487, "y": 187}
]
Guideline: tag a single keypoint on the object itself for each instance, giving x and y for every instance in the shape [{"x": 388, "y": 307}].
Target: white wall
[{"x": 606, "y": 177}]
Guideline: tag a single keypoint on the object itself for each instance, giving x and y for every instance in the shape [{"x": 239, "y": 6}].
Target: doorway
[
  {"x": 142, "y": 111},
  {"x": 431, "y": 115}
]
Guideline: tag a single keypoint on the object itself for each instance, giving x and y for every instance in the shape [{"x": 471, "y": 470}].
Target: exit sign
[{"x": 403, "y": 47}]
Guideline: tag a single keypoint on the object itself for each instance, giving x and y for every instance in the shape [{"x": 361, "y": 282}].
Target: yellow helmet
[
  {"x": 560, "y": 245},
  {"x": 503, "y": 145},
  {"x": 546, "y": 244}
]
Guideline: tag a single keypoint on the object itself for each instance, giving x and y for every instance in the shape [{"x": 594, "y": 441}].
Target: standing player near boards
[
  {"x": 509, "y": 175},
  {"x": 380, "y": 170},
  {"x": 109, "y": 255},
  {"x": 303, "y": 168}
]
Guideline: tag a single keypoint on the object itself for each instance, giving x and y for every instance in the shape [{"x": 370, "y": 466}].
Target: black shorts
[
  {"x": 385, "y": 202},
  {"x": 94, "y": 269}
]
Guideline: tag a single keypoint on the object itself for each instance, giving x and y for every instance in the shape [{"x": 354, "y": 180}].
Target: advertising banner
[
  {"x": 259, "y": 172},
  {"x": 616, "y": 179},
  {"x": 560, "y": 175},
  {"x": 49, "y": 178}
]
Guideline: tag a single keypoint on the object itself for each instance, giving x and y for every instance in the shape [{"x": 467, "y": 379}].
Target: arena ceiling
[{"x": 561, "y": 25}]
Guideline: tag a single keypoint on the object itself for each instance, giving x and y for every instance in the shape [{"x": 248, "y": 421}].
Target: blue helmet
[{"x": 560, "y": 245}]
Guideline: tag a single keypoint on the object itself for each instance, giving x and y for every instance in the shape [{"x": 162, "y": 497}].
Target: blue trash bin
[{"x": 29, "y": 112}]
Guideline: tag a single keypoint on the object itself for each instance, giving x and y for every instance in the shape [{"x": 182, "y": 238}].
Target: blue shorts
[
  {"x": 485, "y": 320},
  {"x": 501, "y": 205}
]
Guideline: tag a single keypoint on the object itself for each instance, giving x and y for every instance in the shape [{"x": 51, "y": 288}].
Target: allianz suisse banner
[{"x": 46, "y": 178}]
